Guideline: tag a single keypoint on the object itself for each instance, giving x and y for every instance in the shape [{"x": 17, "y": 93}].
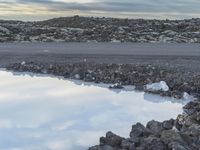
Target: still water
[{"x": 47, "y": 113}]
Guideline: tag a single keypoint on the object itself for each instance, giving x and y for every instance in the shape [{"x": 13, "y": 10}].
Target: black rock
[
  {"x": 111, "y": 139},
  {"x": 152, "y": 143},
  {"x": 192, "y": 107},
  {"x": 155, "y": 126},
  {"x": 168, "y": 136},
  {"x": 139, "y": 130},
  {"x": 168, "y": 124},
  {"x": 128, "y": 144},
  {"x": 176, "y": 94}
]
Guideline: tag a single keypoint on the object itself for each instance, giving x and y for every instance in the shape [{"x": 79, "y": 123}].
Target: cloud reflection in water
[{"x": 43, "y": 112}]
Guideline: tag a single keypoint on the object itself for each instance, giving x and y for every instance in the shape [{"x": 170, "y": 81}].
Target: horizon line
[{"x": 101, "y": 17}]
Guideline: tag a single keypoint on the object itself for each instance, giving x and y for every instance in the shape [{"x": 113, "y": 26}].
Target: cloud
[{"x": 131, "y": 8}]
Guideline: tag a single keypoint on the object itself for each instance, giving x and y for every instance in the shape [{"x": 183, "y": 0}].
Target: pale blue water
[{"x": 47, "y": 113}]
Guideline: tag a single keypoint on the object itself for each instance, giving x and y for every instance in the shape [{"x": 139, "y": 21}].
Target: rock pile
[
  {"x": 90, "y": 29},
  {"x": 182, "y": 133}
]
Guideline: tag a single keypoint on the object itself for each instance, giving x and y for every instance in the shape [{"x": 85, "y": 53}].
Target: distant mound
[{"x": 91, "y": 29}]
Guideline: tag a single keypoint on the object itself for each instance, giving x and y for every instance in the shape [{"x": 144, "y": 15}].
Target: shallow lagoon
[{"x": 48, "y": 113}]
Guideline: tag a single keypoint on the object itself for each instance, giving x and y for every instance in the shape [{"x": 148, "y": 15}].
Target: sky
[{"x": 29, "y": 10}]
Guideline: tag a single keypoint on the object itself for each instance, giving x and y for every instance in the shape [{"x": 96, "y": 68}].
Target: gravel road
[
  {"x": 104, "y": 48},
  {"x": 186, "y": 56}
]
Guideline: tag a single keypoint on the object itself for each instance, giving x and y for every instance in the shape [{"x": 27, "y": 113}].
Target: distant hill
[{"x": 91, "y": 29}]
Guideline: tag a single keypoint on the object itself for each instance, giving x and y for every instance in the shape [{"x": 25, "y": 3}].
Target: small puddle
[{"x": 44, "y": 112}]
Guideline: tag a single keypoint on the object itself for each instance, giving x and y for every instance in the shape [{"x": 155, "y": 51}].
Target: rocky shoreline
[
  {"x": 182, "y": 133},
  {"x": 178, "y": 81}
]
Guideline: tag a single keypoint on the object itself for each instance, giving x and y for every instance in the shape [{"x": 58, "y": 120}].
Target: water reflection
[{"x": 46, "y": 113}]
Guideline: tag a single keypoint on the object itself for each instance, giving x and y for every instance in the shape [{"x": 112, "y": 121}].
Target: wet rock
[
  {"x": 155, "y": 126},
  {"x": 138, "y": 130},
  {"x": 185, "y": 88},
  {"x": 128, "y": 144},
  {"x": 192, "y": 107},
  {"x": 111, "y": 139},
  {"x": 180, "y": 121},
  {"x": 171, "y": 83},
  {"x": 177, "y": 146},
  {"x": 168, "y": 124},
  {"x": 152, "y": 143},
  {"x": 191, "y": 135},
  {"x": 168, "y": 136},
  {"x": 176, "y": 94}
]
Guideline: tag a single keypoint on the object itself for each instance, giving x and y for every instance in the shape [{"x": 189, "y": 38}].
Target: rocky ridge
[{"x": 90, "y": 29}]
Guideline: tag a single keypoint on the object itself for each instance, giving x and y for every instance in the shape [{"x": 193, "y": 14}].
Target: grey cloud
[
  {"x": 170, "y": 7},
  {"x": 125, "y": 6}
]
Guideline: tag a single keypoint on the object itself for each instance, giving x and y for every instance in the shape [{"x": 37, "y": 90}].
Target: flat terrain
[
  {"x": 184, "y": 55},
  {"x": 103, "y": 48}
]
